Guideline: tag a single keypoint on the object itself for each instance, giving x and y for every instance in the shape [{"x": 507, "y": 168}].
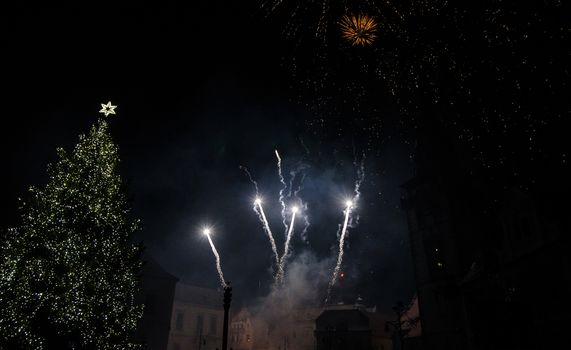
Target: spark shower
[{"x": 296, "y": 208}]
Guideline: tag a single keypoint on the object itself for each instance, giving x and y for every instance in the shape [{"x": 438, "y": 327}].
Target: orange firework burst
[{"x": 358, "y": 30}]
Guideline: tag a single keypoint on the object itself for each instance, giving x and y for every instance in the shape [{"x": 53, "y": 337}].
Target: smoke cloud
[{"x": 304, "y": 287}]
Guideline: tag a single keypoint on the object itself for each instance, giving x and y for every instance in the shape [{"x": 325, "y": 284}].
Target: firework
[
  {"x": 360, "y": 178},
  {"x": 281, "y": 261},
  {"x": 318, "y": 16},
  {"x": 348, "y": 222},
  {"x": 281, "y": 271},
  {"x": 358, "y": 30},
  {"x": 301, "y": 175},
  {"x": 284, "y": 187},
  {"x": 206, "y": 232},
  {"x": 347, "y": 212},
  {"x": 260, "y": 211},
  {"x": 262, "y": 216},
  {"x": 250, "y": 178}
]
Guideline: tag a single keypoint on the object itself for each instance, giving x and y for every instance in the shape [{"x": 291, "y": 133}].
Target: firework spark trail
[
  {"x": 299, "y": 173},
  {"x": 323, "y": 13},
  {"x": 306, "y": 149},
  {"x": 357, "y": 189},
  {"x": 306, "y": 223},
  {"x": 260, "y": 211},
  {"x": 322, "y": 24},
  {"x": 393, "y": 8},
  {"x": 262, "y": 216},
  {"x": 292, "y": 175},
  {"x": 360, "y": 177},
  {"x": 348, "y": 221},
  {"x": 303, "y": 209},
  {"x": 281, "y": 270},
  {"x": 300, "y": 186},
  {"x": 361, "y": 168},
  {"x": 341, "y": 250},
  {"x": 284, "y": 187},
  {"x": 251, "y": 178},
  {"x": 271, "y": 4},
  {"x": 217, "y": 256}
]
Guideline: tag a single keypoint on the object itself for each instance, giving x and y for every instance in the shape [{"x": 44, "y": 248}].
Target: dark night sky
[
  {"x": 204, "y": 87},
  {"x": 201, "y": 89}
]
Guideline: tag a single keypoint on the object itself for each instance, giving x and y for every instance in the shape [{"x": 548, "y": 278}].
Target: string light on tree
[{"x": 69, "y": 271}]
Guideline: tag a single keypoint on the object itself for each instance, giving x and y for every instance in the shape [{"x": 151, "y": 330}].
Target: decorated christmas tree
[{"x": 69, "y": 273}]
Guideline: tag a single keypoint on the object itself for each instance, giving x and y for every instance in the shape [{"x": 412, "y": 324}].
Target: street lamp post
[{"x": 227, "y": 301}]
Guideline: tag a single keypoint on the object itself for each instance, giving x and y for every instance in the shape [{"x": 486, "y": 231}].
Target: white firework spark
[
  {"x": 284, "y": 187},
  {"x": 262, "y": 216},
  {"x": 347, "y": 212},
  {"x": 206, "y": 232},
  {"x": 348, "y": 222},
  {"x": 281, "y": 270},
  {"x": 251, "y": 179}
]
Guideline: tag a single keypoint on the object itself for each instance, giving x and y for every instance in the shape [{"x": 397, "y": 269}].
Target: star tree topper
[{"x": 107, "y": 109}]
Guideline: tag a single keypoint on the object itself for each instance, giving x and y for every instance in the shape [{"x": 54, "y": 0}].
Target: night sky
[{"x": 204, "y": 87}]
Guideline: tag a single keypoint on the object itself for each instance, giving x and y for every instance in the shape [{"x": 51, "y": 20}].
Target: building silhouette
[
  {"x": 293, "y": 330},
  {"x": 157, "y": 293},
  {"x": 197, "y": 317},
  {"x": 242, "y": 331},
  {"x": 491, "y": 264},
  {"x": 351, "y": 327}
]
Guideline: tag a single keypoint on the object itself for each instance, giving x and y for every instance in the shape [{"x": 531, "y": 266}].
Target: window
[
  {"x": 213, "y": 324},
  {"x": 179, "y": 321},
  {"x": 199, "y": 324}
]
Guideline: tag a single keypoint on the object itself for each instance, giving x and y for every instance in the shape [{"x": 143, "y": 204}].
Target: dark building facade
[
  {"x": 342, "y": 330},
  {"x": 157, "y": 294},
  {"x": 490, "y": 273},
  {"x": 351, "y": 327},
  {"x": 197, "y": 318}
]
